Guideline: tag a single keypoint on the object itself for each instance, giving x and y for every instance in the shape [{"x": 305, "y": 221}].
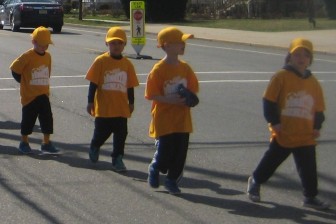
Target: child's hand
[
  {"x": 316, "y": 133},
  {"x": 90, "y": 109},
  {"x": 276, "y": 128},
  {"x": 175, "y": 99},
  {"x": 131, "y": 107}
]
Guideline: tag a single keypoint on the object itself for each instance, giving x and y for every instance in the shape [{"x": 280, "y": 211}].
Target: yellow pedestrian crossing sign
[{"x": 137, "y": 18}]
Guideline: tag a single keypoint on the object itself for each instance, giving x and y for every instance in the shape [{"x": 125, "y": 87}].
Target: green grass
[{"x": 263, "y": 25}]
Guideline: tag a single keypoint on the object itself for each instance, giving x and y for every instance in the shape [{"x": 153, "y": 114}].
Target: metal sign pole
[{"x": 138, "y": 32}]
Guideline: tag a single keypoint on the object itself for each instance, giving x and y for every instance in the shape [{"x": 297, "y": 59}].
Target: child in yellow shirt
[
  {"x": 171, "y": 118},
  {"x": 294, "y": 108},
  {"x": 32, "y": 71},
  {"x": 111, "y": 97}
]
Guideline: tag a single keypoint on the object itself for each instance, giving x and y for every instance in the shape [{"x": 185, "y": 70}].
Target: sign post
[{"x": 138, "y": 32}]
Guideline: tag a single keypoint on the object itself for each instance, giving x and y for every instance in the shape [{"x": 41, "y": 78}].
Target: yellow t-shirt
[
  {"x": 113, "y": 78},
  {"x": 35, "y": 74},
  {"x": 163, "y": 80},
  {"x": 298, "y": 100}
]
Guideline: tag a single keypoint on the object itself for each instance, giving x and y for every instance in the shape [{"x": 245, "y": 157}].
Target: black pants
[
  {"x": 39, "y": 108},
  {"x": 305, "y": 161},
  {"x": 104, "y": 127},
  {"x": 171, "y": 154}
]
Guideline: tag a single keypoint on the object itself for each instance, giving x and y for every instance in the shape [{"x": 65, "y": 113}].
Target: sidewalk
[{"x": 323, "y": 40}]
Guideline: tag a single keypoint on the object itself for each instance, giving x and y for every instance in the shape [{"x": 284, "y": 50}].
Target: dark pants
[
  {"x": 104, "y": 127},
  {"x": 305, "y": 161},
  {"x": 171, "y": 154},
  {"x": 39, "y": 108}
]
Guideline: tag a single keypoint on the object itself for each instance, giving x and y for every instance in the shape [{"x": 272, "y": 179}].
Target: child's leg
[
  {"x": 101, "y": 132},
  {"x": 162, "y": 156},
  {"x": 45, "y": 117},
  {"x": 119, "y": 136},
  {"x": 24, "y": 138},
  {"x": 305, "y": 160},
  {"x": 46, "y": 138},
  {"x": 29, "y": 116},
  {"x": 180, "y": 149},
  {"x": 271, "y": 160}
]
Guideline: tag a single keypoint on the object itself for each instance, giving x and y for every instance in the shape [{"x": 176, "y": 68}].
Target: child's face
[
  {"x": 175, "y": 48},
  {"x": 41, "y": 49},
  {"x": 300, "y": 59},
  {"x": 116, "y": 47}
]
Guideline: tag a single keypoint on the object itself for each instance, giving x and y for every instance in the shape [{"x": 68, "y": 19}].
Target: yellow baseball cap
[
  {"x": 115, "y": 33},
  {"x": 172, "y": 35},
  {"x": 300, "y": 42},
  {"x": 42, "y": 36}
]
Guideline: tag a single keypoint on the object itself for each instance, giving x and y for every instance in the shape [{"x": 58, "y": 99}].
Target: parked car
[{"x": 31, "y": 13}]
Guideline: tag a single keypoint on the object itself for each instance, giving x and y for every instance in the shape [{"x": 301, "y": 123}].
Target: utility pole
[{"x": 80, "y": 9}]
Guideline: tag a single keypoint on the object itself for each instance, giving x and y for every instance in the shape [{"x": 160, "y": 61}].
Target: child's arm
[
  {"x": 16, "y": 76},
  {"x": 171, "y": 99},
  {"x": 92, "y": 92},
  {"x": 318, "y": 120},
  {"x": 271, "y": 114}
]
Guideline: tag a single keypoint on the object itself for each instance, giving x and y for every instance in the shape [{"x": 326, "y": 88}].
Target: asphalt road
[{"x": 230, "y": 135}]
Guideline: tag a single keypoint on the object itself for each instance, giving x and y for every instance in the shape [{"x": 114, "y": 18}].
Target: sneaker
[
  {"x": 153, "y": 177},
  {"x": 94, "y": 154},
  {"x": 118, "y": 164},
  {"x": 171, "y": 187},
  {"x": 24, "y": 148},
  {"x": 315, "y": 203},
  {"x": 49, "y": 148},
  {"x": 253, "y": 190}
]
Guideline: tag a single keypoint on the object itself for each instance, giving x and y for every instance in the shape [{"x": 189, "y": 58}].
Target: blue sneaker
[
  {"x": 171, "y": 187},
  {"x": 49, "y": 148},
  {"x": 118, "y": 164},
  {"x": 153, "y": 177},
  {"x": 94, "y": 154},
  {"x": 25, "y": 148}
]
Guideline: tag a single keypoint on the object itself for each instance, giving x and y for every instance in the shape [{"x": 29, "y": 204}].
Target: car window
[{"x": 48, "y": 1}]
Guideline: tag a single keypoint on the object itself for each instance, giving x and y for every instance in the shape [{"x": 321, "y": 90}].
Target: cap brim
[
  {"x": 114, "y": 38},
  {"x": 301, "y": 46},
  {"x": 187, "y": 36}
]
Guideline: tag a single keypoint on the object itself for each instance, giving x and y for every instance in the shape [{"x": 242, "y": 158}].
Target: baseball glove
[{"x": 191, "y": 99}]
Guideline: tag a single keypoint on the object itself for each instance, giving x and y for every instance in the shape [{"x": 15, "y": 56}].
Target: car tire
[
  {"x": 1, "y": 26},
  {"x": 57, "y": 29},
  {"x": 14, "y": 27}
]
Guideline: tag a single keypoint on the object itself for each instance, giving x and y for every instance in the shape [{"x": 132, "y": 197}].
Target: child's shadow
[{"x": 9, "y": 125}]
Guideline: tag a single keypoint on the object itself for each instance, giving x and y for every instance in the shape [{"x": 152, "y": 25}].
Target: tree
[
  {"x": 161, "y": 10},
  {"x": 330, "y": 6}
]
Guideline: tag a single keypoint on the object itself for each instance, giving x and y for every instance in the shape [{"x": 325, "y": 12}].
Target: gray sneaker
[
  {"x": 49, "y": 148},
  {"x": 118, "y": 164},
  {"x": 25, "y": 148},
  {"x": 253, "y": 190},
  {"x": 315, "y": 203}
]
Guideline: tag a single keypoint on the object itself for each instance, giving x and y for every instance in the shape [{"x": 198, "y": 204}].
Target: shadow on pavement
[{"x": 264, "y": 210}]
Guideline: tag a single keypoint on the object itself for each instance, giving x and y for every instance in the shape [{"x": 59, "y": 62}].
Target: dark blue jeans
[
  {"x": 305, "y": 161},
  {"x": 171, "y": 154},
  {"x": 104, "y": 127}
]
